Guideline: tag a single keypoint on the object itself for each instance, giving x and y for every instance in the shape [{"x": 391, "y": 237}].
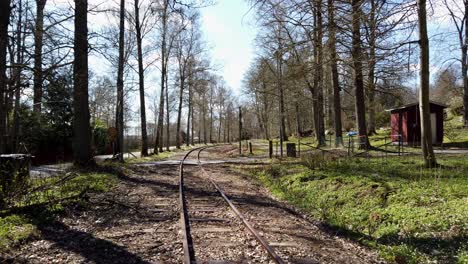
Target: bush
[
  {"x": 451, "y": 132},
  {"x": 382, "y": 119},
  {"x": 14, "y": 173},
  {"x": 100, "y": 138},
  {"x": 456, "y": 106}
]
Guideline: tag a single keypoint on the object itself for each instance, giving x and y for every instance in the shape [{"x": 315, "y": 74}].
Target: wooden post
[
  {"x": 250, "y": 147},
  {"x": 270, "y": 148},
  {"x": 399, "y": 145},
  {"x": 386, "y": 153},
  {"x": 349, "y": 146},
  {"x": 299, "y": 146},
  {"x": 276, "y": 149},
  {"x": 291, "y": 150},
  {"x": 240, "y": 130}
]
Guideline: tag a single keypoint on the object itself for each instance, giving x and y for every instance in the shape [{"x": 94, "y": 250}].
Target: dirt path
[{"x": 138, "y": 222}]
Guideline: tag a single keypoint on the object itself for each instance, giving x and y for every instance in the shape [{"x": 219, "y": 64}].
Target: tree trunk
[
  {"x": 371, "y": 73},
  {"x": 258, "y": 113},
  {"x": 204, "y": 121},
  {"x": 465, "y": 68},
  {"x": 81, "y": 127},
  {"x": 298, "y": 121},
  {"x": 168, "y": 120},
  {"x": 318, "y": 76},
  {"x": 226, "y": 117},
  {"x": 220, "y": 125},
  {"x": 358, "y": 76},
  {"x": 189, "y": 116},
  {"x": 4, "y": 21},
  {"x": 19, "y": 61},
  {"x": 141, "y": 76},
  {"x": 265, "y": 111},
  {"x": 120, "y": 84},
  {"x": 229, "y": 128},
  {"x": 335, "y": 76},
  {"x": 38, "y": 38},
  {"x": 424, "y": 108},
  {"x": 192, "y": 128},
  {"x": 211, "y": 114},
  {"x": 158, "y": 142},
  {"x": 179, "y": 109},
  {"x": 281, "y": 101}
]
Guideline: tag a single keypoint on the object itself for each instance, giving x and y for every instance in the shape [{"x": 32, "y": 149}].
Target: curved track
[{"x": 188, "y": 245}]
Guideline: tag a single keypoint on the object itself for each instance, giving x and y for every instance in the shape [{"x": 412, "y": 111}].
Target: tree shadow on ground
[
  {"x": 441, "y": 250},
  {"x": 461, "y": 144},
  {"x": 88, "y": 246}
]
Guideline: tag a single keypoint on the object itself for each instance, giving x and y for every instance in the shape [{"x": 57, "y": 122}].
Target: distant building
[{"x": 405, "y": 121}]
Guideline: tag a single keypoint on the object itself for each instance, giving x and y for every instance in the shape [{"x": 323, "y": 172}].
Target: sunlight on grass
[
  {"x": 397, "y": 206},
  {"x": 47, "y": 199}
]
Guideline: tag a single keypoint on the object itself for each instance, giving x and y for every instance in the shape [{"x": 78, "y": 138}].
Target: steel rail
[
  {"x": 189, "y": 254},
  {"x": 252, "y": 230}
]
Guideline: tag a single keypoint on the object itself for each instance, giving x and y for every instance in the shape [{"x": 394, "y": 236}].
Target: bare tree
[
  {"x": 317, "y": 90},
  {"x": 426, "y": 133},
  {"x": 81, "y": 127},
  {"x": 335, "y": 77},
  {"x": 38, "y": 40},
  {"x": 358, "y": 76},
  {"x": 18, "y": 70},
  {"x": 141, "y": 81},
  {"x": 5, "y": 9},
  {"x": 164, "y": 69},
  {"x": 120, "y": 85}
]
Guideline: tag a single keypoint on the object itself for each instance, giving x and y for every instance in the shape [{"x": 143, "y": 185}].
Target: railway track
[{"x": 228, "y": 225}]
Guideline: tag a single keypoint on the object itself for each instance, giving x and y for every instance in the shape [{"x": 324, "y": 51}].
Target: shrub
[
  {"x": 451, "y": 132},
  {"x": 456, "y": 106},
  {"x": 382, "y": 119}
]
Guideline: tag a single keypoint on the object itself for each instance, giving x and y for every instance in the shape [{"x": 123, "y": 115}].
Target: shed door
[{"x": 434, "y": 127}]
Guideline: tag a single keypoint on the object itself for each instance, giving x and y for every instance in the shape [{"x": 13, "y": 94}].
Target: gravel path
[{"x": 294, "y": 238}]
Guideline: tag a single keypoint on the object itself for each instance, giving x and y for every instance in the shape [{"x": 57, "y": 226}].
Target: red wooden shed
[{"x": 405, "y": 121}]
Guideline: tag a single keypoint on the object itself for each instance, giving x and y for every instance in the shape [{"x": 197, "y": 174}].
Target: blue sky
[{"x": 229, "y": 29}]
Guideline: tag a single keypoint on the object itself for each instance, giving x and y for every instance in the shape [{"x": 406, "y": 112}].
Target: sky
[{"x": 229, "y": 30}]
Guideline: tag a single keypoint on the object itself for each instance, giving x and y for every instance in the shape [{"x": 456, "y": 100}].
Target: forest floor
[{"x": 132, "y": 216}]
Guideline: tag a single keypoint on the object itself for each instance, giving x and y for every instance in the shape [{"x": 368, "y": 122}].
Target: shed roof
[{"x": 415, "y": 104}]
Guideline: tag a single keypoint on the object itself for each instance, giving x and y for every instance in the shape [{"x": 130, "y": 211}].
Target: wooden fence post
[
  {"x": 291, "y": 150},
  {"x": 270, "y": 148}
]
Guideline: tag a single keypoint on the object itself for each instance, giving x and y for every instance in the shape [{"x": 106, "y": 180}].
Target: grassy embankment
[{"x": 408, "y": 213}]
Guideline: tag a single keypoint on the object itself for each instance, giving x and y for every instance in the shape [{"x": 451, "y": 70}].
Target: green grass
[
  {"x": 41, "y": 206},
  {"x": 407, "y": 212}
]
